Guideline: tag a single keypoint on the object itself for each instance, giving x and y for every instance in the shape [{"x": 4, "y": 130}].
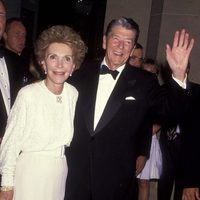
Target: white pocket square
[{"x": 130, "y": 98}]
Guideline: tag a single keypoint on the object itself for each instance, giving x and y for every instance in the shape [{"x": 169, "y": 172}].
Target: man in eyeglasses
[{"x": 136, "y": 58}]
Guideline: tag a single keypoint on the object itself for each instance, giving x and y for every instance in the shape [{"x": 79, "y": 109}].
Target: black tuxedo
[
  {"x": 181, "y": 156},
  {"x": 102, "y": 162},
  {"x": 15, "y": 81},
  {"x": 171, "y": 155},
  {"x": 190, "y": 151}
]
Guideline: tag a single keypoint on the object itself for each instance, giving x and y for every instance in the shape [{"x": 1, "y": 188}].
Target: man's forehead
[{"x": 123, "y": 32}]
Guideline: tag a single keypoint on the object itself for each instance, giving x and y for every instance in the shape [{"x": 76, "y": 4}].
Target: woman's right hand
[{"x": 6, "y": 195}]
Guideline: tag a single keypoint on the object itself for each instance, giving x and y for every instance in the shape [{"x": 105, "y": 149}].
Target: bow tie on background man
[
  {"x": 1, "y": 53},
  {"x": 105, "y": 70}
]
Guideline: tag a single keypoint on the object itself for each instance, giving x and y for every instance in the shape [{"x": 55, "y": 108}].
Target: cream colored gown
[{"x": 32, "y": 151}]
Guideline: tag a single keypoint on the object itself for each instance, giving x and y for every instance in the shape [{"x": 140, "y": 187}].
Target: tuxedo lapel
[
  {"x": 3, "y": 116},
  {"x": 116, "y": 98},
  {"x": 12, "y": 74},
  {"x": 89, "y": 98},
  {"x": 15, "y": 78}
]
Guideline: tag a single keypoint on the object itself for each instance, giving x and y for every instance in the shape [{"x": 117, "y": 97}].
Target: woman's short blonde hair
[{"x": 60, "y": 34}]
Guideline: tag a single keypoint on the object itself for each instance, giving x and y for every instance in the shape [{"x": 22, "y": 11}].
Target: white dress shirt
[
  {"x": 105, "y": 88},
  {"x": 4, "y": 84}
]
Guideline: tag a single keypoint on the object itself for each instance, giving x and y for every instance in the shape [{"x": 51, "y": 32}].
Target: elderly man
[{"x": 113, "y": 118}]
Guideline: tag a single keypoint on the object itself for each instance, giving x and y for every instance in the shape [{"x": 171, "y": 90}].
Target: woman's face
[{"x": 58, "y": 63}]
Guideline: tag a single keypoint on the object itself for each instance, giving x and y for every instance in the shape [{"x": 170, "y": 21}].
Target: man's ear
[
  {"x": 104, "y": 42},
  {"x": 5, "y": 36},
  {"x": 132, "y": 50}
]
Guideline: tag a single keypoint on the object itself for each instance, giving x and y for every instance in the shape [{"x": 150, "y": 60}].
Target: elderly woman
[{"x": 32, "y": 160}]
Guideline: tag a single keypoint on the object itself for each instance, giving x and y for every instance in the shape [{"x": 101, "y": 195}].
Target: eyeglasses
[
  {"x": 3, "y": 15},
  {"x": 137, "y": 58}
]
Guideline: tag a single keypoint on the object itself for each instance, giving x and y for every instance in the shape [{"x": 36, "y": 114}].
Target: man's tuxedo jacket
[
  {"x": 102, "y": 161},
  {"x": 15, "y": 80},
  {"x": 190, "y": 144}
]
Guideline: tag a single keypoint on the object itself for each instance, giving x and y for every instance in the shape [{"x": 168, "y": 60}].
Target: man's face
[
  {"x": 15, "y": 38},
  {"x": 118, "y": 45},
  {"x": 2, "y": 19},
  {"x": 136, "y": 58}
]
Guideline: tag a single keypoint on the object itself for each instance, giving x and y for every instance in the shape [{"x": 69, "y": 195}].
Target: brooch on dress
[{"x": 59, "y": 99}]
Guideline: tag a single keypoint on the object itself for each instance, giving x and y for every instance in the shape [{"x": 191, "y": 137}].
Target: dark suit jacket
[
  {"x": 102, "y": 162},
  {"x": 15, "y": 80},
  {"x": 190, "y": 149}
]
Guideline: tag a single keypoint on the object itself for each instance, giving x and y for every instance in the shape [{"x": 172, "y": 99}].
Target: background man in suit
[
  {"x": 14, "y": 39},
  {"x": 170, "y": 142},
  {"x": 10, "y": 78},
  {"x": 113, "y": 116},
  {"x": 170, "y": 183},
  {"x": 15, "y": 35},
  {"x": 190, "y": 150}
]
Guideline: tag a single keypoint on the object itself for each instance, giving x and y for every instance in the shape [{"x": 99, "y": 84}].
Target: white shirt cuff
[{"x": 182, "y": 84}]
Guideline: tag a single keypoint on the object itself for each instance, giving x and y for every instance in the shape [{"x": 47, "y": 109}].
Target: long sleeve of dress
[{"x": 12, "y": 140}]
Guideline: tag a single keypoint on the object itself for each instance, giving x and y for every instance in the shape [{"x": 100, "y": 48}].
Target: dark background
[{"x": 85, "y": 16}]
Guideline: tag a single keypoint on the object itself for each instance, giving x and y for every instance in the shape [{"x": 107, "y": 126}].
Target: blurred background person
[
  {"x": 153, "y": 166},
  {"x": 14, "y": 39},
  {"x": 10, "y": 78},
  {"x": 15, "y": 35},
  {"x": 136, "y": 57},
  {"x": 150, "y": 65},
  {"x": 171, "y": 138}
]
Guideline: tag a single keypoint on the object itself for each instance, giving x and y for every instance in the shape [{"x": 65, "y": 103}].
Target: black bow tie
[{"x": 105, "y": 70}]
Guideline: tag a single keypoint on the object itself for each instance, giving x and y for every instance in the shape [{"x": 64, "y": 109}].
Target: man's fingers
[
  {"x": 176, "y": 38},
  {"x": 191, "y": 44},
  {"x": 182, "y": 38}
]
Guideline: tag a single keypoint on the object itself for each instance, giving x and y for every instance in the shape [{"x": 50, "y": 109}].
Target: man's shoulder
[
  {"x": 193, "y": 88},
  {"x": 90, "y": 65},
  {"x": 11, "y": 58},
  {"x": 8, "y": 53},
  {"x": 139, "y": 74}
]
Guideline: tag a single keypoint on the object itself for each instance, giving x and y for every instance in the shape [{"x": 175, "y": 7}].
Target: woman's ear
[
  {"x": 73, "y": 68},
  {"x": 42, "y": 63}
]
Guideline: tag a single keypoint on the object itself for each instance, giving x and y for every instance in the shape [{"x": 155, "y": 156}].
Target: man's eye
[
  {"x": 128, "y": 42},
  {"x": 115, "y": 38}
]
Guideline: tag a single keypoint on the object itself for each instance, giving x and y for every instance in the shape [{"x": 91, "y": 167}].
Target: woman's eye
[
  {"x": 68, "y": 59},
  {"x": 52, "y": 57}
]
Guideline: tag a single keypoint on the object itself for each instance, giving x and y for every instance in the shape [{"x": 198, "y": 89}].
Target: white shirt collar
[{"x": 119, "y": 69}]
